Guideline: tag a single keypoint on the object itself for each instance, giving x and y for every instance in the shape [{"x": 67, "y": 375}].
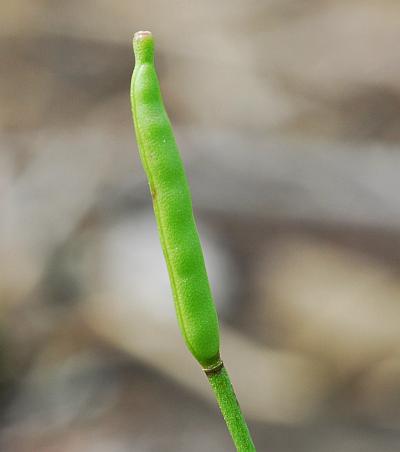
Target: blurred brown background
[{"x": 287, "y": 113}]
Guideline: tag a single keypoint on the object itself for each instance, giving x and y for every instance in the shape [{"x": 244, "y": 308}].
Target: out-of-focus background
[{"x": 288, "y": 116}]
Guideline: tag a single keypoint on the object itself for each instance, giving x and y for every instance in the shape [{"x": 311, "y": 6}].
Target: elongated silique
[
  {"x": 178, "y": 234},
  {"x": 173, "y": 208}
]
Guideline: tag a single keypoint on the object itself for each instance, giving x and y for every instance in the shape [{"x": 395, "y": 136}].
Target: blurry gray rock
[{"x": 129, "y": 265}]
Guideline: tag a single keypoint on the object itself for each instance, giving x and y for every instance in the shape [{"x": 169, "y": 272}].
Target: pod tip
[
  {"x": 143, "y": 47},
  {"x": 141, "y": 35}
]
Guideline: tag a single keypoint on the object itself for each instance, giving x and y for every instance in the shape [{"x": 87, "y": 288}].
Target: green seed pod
[{"x": 173, "y": 209}]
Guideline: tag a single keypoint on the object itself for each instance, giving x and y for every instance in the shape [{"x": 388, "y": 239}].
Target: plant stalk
[{"x": 230, "y": 409}]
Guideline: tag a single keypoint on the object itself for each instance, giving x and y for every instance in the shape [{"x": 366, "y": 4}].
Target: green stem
[{"x": 230, "y": 409}]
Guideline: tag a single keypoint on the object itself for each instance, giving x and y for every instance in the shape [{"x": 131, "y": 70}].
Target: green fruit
[{"x": 173, "y": 208}]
